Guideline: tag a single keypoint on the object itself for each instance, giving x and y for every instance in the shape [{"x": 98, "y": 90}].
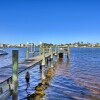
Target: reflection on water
[{"x": 77, "y": 79}]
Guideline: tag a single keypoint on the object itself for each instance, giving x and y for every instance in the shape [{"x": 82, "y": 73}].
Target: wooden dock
[
  {"x": 27, "y": 64},
  {"x": 22, "y": 66}
]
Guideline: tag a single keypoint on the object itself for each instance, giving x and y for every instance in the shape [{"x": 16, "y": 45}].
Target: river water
[{"x": 77, "y": 79}]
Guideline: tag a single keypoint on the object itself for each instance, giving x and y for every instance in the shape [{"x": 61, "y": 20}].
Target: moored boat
[{"x": 2, "y": 52}]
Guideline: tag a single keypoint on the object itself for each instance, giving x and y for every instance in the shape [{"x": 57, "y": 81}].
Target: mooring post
[
  {"x": 15, "y": 74},
  {"x": 43, "y": 64},
  {"x": 27, "y": 51},
  {"x": 68, "y": 53}
]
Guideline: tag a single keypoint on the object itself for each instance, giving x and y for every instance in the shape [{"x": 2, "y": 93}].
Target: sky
[{"x": 51, "y": 21}]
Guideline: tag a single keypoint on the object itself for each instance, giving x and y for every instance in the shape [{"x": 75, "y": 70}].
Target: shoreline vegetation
[{"x": 73, "y": 45}]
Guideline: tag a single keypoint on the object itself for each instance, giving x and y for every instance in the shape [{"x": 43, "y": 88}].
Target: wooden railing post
[{"x": 15, "y": 74}]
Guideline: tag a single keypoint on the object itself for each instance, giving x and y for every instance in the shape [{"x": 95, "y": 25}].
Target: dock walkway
[
  {"x": 22, "y": 66},
  {"x": 17, "y": 68}
]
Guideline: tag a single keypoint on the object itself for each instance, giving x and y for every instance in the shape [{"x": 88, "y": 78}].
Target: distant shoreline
[
  {"x": 84, "y": 47},
  {"x": 37, "y": 46}
]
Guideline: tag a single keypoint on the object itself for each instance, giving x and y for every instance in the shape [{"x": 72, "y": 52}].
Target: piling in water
[
  {"x": 15, "y": 74},
  {"x": 68, "y": 53},
  {"x": 43, "y": 64},
  {"x": 27, "y": 52},
  {"x": 51, "y": 52}
]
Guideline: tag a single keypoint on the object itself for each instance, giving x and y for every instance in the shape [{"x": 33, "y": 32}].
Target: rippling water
[{"x": 77, "y": 79}]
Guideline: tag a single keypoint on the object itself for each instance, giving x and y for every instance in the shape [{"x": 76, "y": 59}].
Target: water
[
  {"x": 77, "y": 79},
  {"x": 6, "y": 60}
]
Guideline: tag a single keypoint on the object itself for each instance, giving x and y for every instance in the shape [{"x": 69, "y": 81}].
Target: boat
[{"x": 2, "y": 52}]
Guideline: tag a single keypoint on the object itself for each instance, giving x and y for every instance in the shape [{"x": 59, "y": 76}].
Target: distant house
[
  {"x": 3, "y": 45},
  {"x": 75, "y": 45}
]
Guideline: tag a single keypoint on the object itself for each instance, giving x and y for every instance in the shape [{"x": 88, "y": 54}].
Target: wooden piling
[
  {"x": 58, "y": 49},
  {"x": 15, "y": 74},
  {"x": 27, "y": 52},
  {"x": 51, "y": 53},
  {"x": 32, "y": 47},
  {"x": 40, "y": 67},
  {"x": 58, "y": 53},
  {"x": 47, "y": 61},
  {"x": 52, "y": 64},
  {"x": 51, "y": 57},
  {"x": 55, "y": 50},
  {"x": 40, "y": 50},
  {"x": 68, "y": 53},
  {"x": 43, "y": 65}
]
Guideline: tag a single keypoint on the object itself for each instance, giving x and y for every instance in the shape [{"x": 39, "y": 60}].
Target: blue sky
[{"x": 52, "y": 21}]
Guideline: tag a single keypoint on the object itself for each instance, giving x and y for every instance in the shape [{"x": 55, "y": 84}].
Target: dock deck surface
[{"x": 6, "y": 72}]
